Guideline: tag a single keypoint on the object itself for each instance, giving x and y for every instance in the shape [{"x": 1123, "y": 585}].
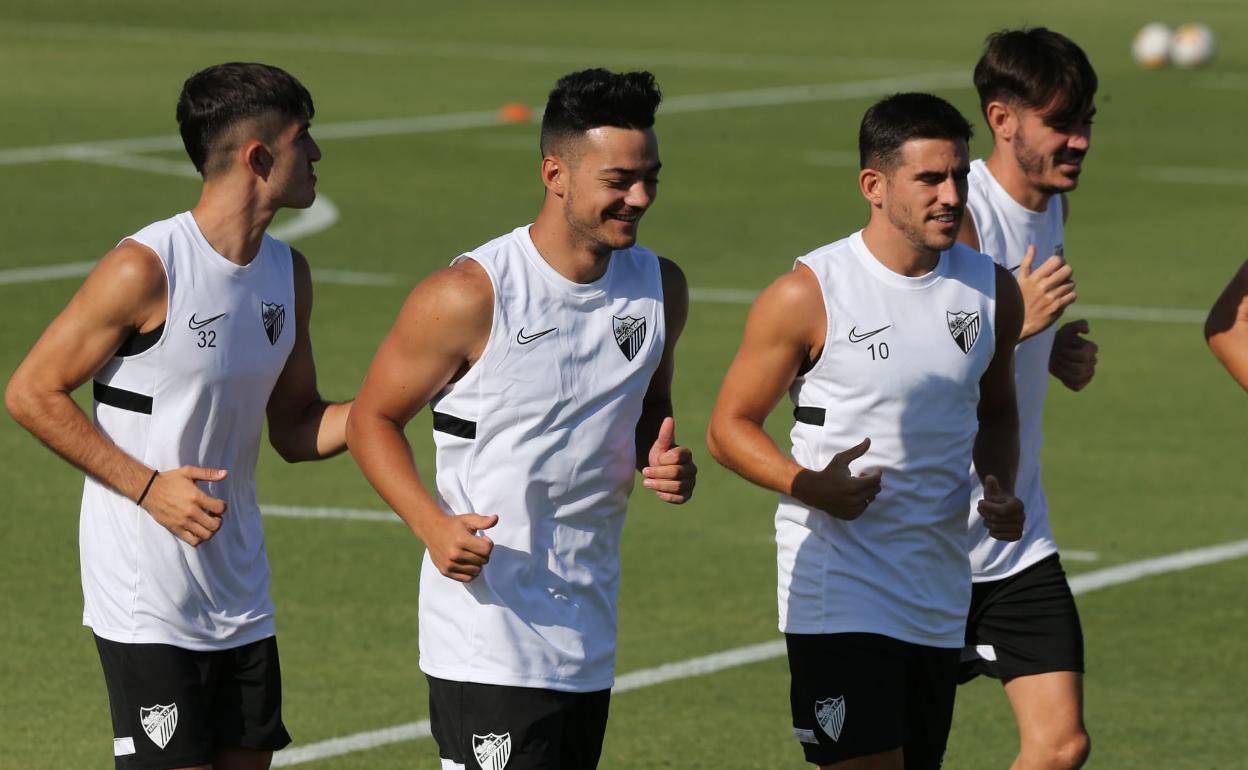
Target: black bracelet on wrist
[{"x": 146, "y": 488}]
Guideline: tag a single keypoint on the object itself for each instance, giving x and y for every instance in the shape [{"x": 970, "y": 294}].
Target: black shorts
[
  {"x": 854, "y": 695},
  {"x": 174, "y": 707},
  {"x": 490, "y": 726},
  {"x": 1025, "y": 624}
]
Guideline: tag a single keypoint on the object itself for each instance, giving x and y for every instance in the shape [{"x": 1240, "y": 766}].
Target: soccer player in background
[
  {"x": 1036, "y": 88},
  {"x": 1226, "y": 329},
  {"x": 895, "y": 345},
  {"x": 193, "y": 330},
  {"x": 547, "y": 357}
]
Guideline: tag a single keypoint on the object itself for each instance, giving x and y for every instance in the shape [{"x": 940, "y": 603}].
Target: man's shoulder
[{"x": 831, "y": 252}]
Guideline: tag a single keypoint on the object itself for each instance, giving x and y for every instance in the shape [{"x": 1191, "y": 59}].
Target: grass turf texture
[{"x": 1147, "y": 461}]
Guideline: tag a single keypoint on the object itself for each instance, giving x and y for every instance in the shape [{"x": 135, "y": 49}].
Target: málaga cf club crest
[
  {"x": 159, "y": 722},
  {"x": 492, "y": 750},
  {"x": 830, "y": 713},
  {"x": 629, "y": 334},
  {"x": 274, "y": 318},
  {"x": 964, "y": 327}
]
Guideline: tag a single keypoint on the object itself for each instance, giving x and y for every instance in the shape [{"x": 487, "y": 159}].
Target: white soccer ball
[
  {"x": 1151, "y": 46},
  {"x": 1191, "y": 46}
]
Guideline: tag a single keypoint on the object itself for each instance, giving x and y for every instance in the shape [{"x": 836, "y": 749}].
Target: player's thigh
[
  {"x": 247, "y": 708},
  {"x": 242, "y": 759},
  {"x": 160, "y": 704},
  {"x": 848, "y": 695},
  {"x": 1048, "y": 707},
  {"x": 522, "y": 728}
]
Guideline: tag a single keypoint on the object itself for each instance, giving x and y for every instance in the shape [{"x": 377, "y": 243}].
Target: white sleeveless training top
[
  {"x": 901, "y": 365},
  {"x": 540, "y": 431},
  {"x": 193, "y": 392},
  {"x": 1006, "y": 228}
]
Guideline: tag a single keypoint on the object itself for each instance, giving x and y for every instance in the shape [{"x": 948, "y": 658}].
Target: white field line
[
  {"x": 351, "y": 514},
  {"x": 376, "y": 46},
  {"x": 762, "y": 97},
  {"x": 755, "y": 653},
  {"x": 1187, "y": 175},
  {"x": 1069, "y": 555}
]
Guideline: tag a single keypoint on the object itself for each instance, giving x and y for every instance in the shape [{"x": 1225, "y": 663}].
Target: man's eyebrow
[{"x": 625, "y": 171}]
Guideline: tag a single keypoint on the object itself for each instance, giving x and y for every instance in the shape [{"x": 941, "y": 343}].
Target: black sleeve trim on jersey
[
  {"x": 811, "y": 415},
  {"x": 137, "y": 343},
  {"x": 456, "y": 426},
  {"x": 122, "y": 399}
]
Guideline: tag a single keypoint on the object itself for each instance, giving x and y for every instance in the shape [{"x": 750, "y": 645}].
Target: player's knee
[{"x": 1070, "y": 753}]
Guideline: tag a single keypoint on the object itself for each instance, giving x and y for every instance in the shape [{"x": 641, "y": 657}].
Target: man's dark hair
[
  {"x": 597, "y": 97},
  {"x": 216, "y": 99},
  {"x": 897, "y": 119},
  {"x": 1038, "y": 69}
]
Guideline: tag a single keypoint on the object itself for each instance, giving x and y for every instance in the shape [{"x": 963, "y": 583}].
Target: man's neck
[
  {"x": 573, "y": 260},
  {"x": 233, "y": 222},
  {"x": 1005, "y": 169},
  {"x": 896, "y": 252}
]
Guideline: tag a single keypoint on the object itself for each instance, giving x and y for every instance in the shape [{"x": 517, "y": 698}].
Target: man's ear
[
  {"x": 871, "y": 184},
  {"x": 555, "y": 172},
  {"x": 257, "y": 158},
  {"x": 1002, "y": 120}
]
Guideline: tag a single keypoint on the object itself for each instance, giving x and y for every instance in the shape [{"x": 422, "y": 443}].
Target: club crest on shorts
[
  {"x": 274, "y": 318},
  {"x": 830, "y": 714},
  {"x": 492, "y": 750},
  {"x": 629, "y": 334},
  {"x": 159, "y": 722},
  {"x": 964, "y": 327}
]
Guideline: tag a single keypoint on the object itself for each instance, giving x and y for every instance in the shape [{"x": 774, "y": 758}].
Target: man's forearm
[
  {"x": 319, "y": 432},
  {"x": 743, "y": 447},
  {"x": 653, "y": 413},
  {"x": 55, "y": 419},
  {"x": 380, "y": 448},
  {"x": 996, "y": 448}
]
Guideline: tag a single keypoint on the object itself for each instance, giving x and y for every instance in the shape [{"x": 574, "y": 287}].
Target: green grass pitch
[{"x": 1146, "y": 462}]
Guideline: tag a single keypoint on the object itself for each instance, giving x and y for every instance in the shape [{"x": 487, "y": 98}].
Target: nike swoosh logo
[
  {"x": 854, "y": 336},
  {"x": 197, "y": 324},
  {"x": 524, "y": 339}
]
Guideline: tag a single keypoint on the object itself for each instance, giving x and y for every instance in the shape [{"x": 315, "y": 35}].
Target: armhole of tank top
[
  {"x": 491, "y": 343},
  {"x": 824, "y": 294},
  {"x": 662, "y": 295},
  {"x": 140, "y": 344}
]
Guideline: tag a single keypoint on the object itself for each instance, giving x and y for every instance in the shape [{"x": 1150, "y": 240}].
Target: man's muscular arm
[
  {"x": 668, "y": 467},
  {"x": 1226, "y": 328},
  {"x": 302, "y": 425},
  {"x": 125, "y": 293},
  {"x": 441, "y": 331}
]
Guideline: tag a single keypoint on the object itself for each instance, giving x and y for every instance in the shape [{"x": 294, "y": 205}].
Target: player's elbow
[
  {"x": 286, "y": 447},
  {"x": 716, "y": 439},
  {"x": 20, "y": 400}
]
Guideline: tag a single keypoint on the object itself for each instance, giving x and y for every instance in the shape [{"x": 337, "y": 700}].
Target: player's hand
[
  {"x": 1047, "y": 291},
  {"x": 179, "y": 505},
  {"x": 1001, "y": 511},
  {"x": 835, "y": 490},
  {"x": 670, "y": 472},
  {"x": 456, "y": 549},
  {"x": 1073, "y": 359}
]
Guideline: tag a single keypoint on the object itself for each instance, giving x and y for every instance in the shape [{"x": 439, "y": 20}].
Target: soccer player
[
  {"x": 1226, "y": 329},
  {"x": 192, "y": 330},
  {"x": 895, "y": 345},
  {"x": 1036, "y": 89},
  {"x": 546, "y": 356}
]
